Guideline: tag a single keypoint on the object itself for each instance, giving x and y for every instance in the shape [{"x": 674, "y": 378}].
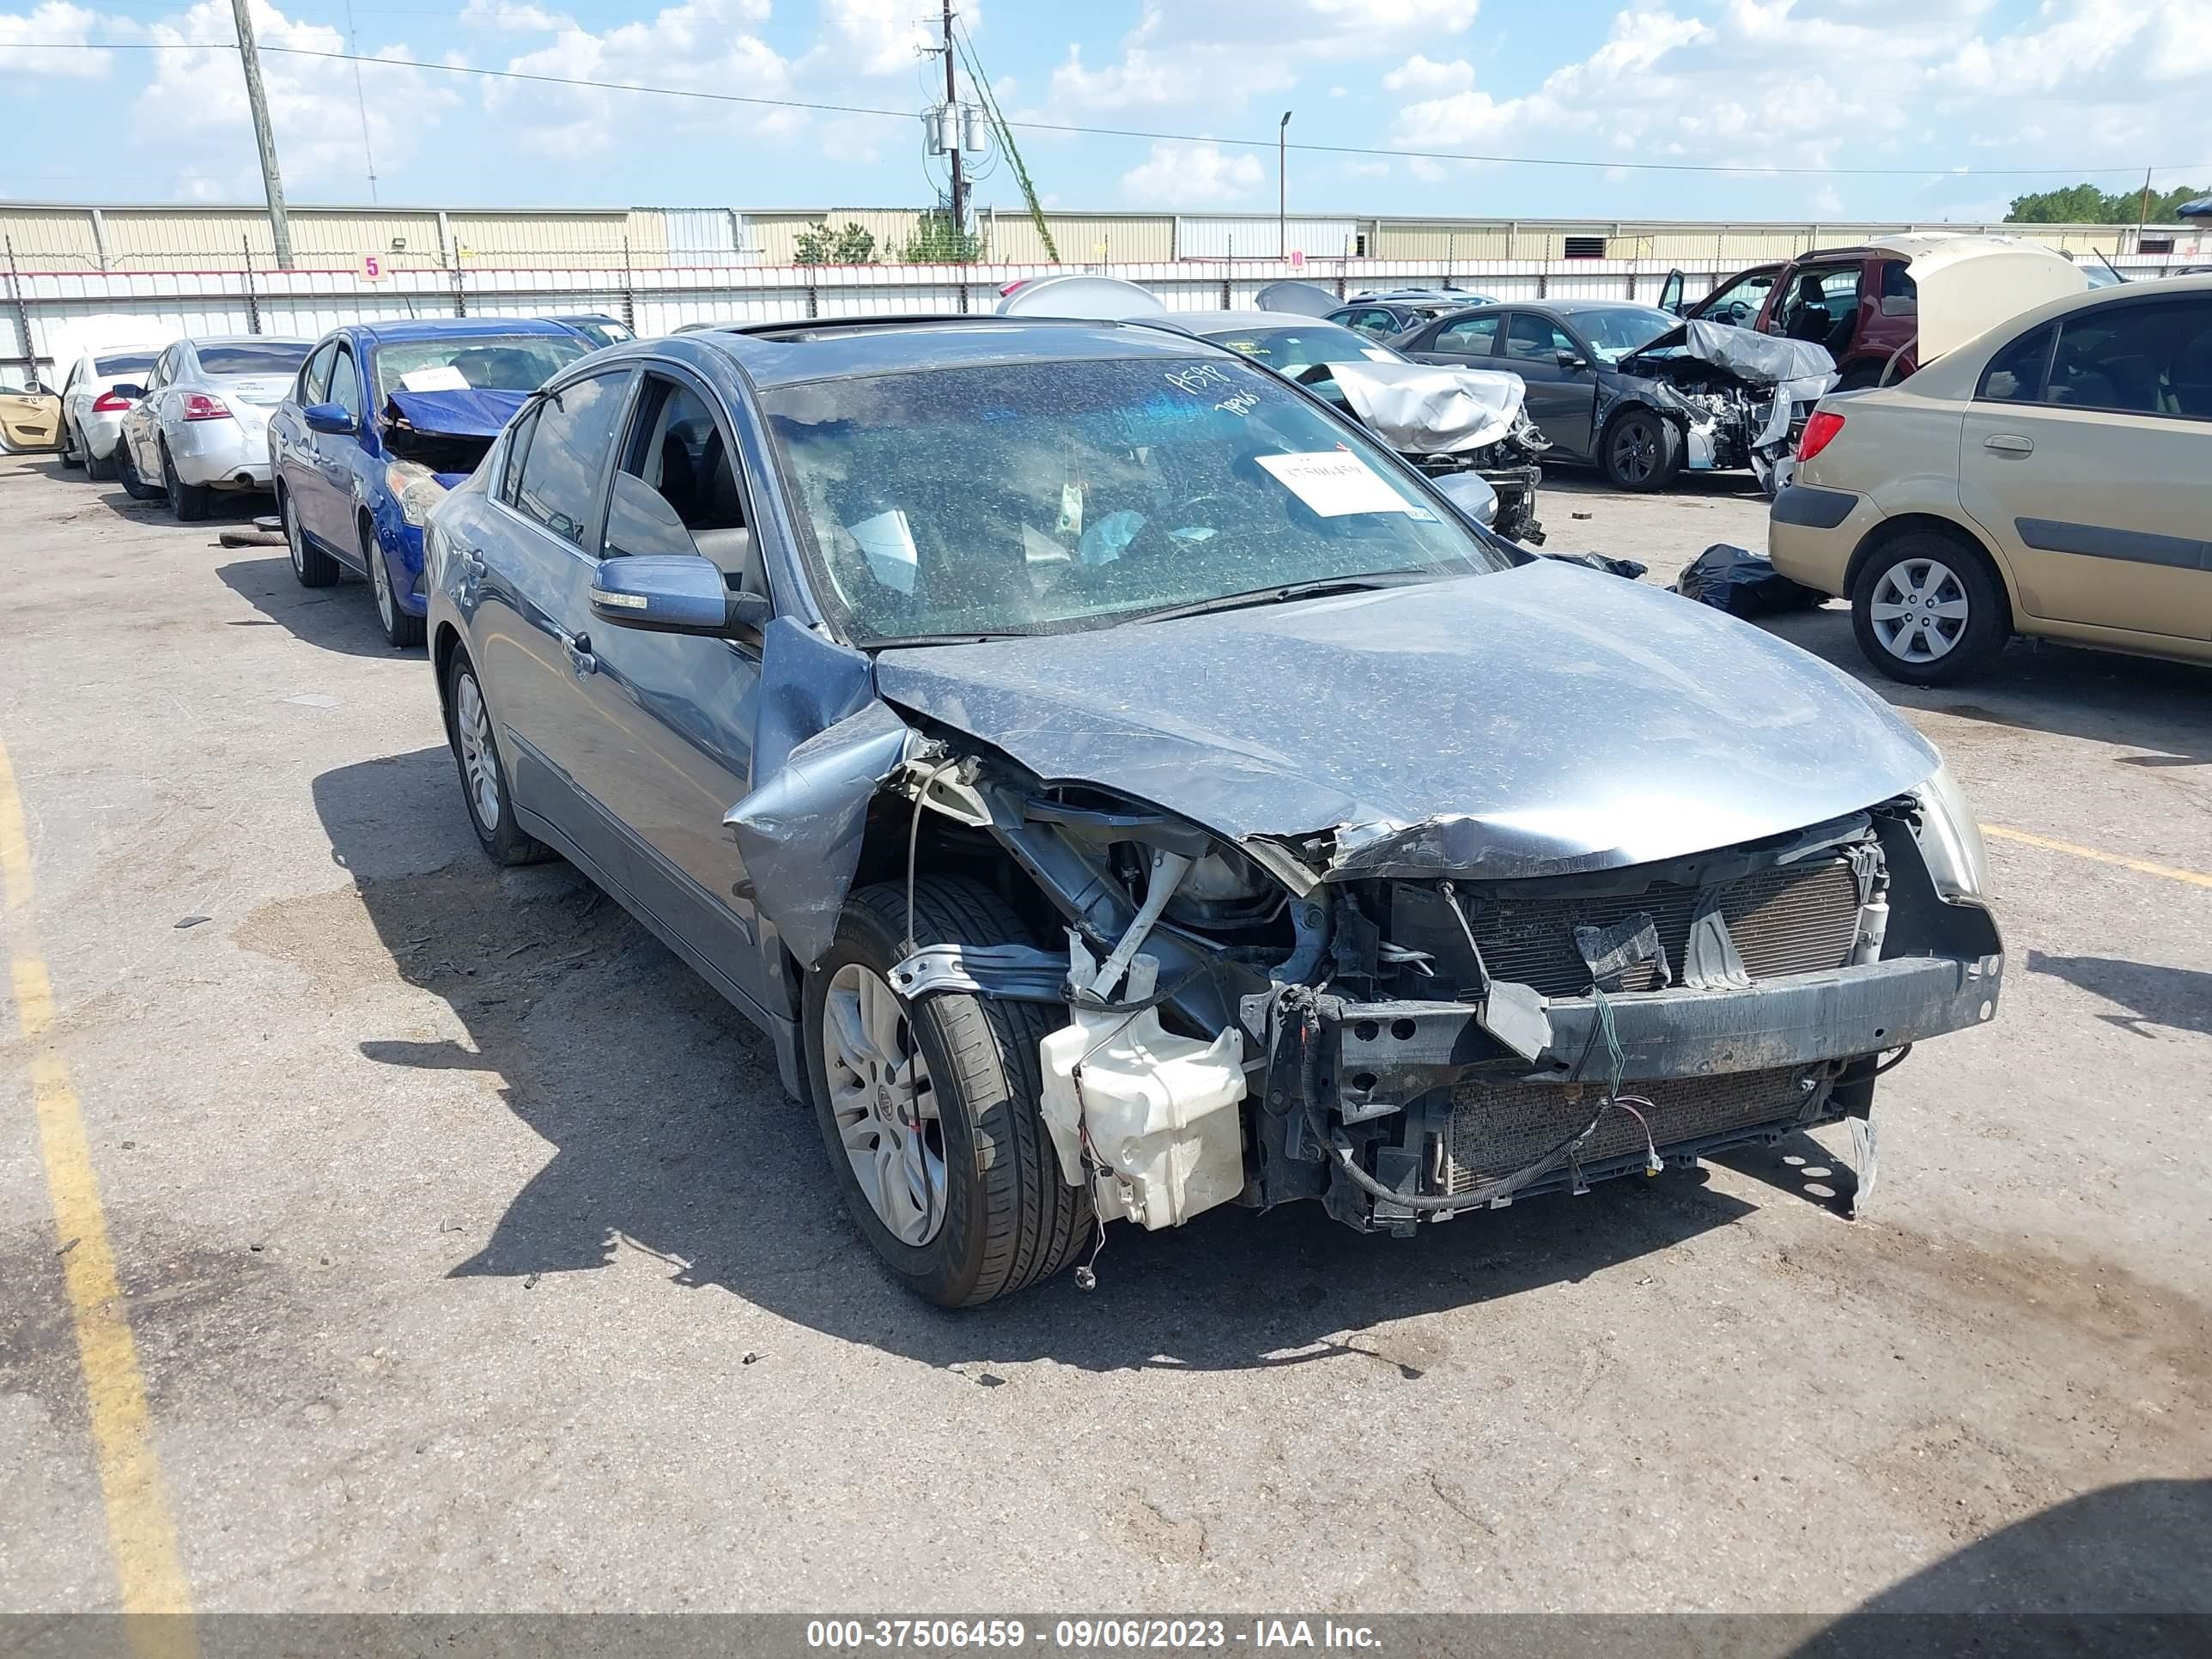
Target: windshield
[
  {"x": 1290, "y": 350},
  {"x": 481, "y": 362},
  {"x": 1617, "y": 331},
  {"x": 282, "y": 357},
  {"x": 1036, "y": 498}
]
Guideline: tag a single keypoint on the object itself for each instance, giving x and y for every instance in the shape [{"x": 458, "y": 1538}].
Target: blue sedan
[{"x": 382, "y": 420}]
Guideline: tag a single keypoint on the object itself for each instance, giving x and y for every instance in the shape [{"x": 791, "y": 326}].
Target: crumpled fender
[{"x": 823, "y": 745}]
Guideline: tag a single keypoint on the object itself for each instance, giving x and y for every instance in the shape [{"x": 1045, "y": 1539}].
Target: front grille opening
[{"x": 1499, "y": 1127}]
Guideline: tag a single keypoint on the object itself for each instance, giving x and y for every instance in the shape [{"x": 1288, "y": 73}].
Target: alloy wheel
[
  {"x": 380, "y": 578},
  {"x": 1919, "y": 610},
  {"x": 472, "y": 731},
  {"x": 882, "y": 1103},
  {"x": 1635, "y": 452}
]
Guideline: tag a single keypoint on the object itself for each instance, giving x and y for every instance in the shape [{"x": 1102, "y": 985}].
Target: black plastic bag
[
  {"x": 1742, "y": 583},
  {"x": 1628, "y": 568}
]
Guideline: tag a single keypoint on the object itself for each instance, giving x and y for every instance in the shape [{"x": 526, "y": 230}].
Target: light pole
[{"x": 1282, "y": 188}]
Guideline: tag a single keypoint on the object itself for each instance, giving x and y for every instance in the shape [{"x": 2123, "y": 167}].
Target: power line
[{"x": 1077, "y": 130}]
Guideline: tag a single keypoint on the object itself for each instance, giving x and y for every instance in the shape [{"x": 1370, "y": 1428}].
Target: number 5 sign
[{"x": 372, "y": 268}]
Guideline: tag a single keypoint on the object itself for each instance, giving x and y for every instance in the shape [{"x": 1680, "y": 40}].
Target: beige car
[{"x": 2051, "y": 476}]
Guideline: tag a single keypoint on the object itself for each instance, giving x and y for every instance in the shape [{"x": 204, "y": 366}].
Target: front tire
[
  {"x": 1643, "y": 452},
  {"x": 188, "y": 501},
  {"x": 126, "y": 471},
  {"x": 404, "y": 631},
  {"x": 484, "y": 789},
  {"x": 930, "y": 1111},
  {"x": 311, "y": 566},
  {"x": 1928, "y": 610}
]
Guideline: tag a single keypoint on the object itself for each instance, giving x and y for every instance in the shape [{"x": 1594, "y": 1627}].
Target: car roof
[
  {"x": 785, "y": 354},
  {"x": 197, "y": 341},
  {"x": 1225, "y": 322},
  {"x": 459, "y": 328}
]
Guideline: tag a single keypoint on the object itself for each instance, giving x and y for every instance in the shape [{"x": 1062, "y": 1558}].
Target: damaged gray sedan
[{"x": 1120, "y": 787}]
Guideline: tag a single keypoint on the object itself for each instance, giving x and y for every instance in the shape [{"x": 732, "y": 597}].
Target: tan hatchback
[{"x": 2052, "y": 477}]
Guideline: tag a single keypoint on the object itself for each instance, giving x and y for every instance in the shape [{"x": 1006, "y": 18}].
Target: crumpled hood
[
  {"x": 1429, "y": 411},
  {"x": 471, "y": 414},
  {"x": 1536, "y": 721}
]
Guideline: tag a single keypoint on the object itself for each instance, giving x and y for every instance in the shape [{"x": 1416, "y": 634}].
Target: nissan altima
[{"x": 1120, "y": 787}]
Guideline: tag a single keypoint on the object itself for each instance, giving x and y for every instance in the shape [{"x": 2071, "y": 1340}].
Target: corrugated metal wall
[{"x": 184, "y": 238}]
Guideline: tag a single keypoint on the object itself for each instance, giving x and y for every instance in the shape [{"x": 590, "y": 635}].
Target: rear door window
[
  {"x": 566, "y": 461},
  {"x": 1470, "y": 337},
  {"x": 2015, "y": 375},
  {"x": 2137, "y": 358}
]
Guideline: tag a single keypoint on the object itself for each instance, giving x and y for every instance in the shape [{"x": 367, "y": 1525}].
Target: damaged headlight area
[
  {"x": 416, "y": 489},
  {"x": 1739, "y": 397},
  {"x": 1267, "y": 1022}
]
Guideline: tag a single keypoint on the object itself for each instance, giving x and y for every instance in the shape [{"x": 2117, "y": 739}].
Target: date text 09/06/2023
[{"x": 1087, "y": 1635}]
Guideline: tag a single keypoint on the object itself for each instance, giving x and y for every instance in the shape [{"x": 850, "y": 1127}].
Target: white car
[
  {"x": 93, "y": 410},
  {"x": 202, "y": 426}
]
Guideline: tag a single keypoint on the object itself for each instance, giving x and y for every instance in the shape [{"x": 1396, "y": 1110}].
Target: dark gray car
[{"x": 1120, "y": 787}]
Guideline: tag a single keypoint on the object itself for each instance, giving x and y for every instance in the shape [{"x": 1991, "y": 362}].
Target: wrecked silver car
[
  {"x": 1120, "y": 787},
  {"x": 1739, "y": 399}
]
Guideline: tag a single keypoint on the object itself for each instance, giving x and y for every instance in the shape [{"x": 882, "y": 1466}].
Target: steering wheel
[{"x": 1736, "y": 311}]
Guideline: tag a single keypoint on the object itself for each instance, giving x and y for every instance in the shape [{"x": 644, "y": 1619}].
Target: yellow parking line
[
  {"x": 139, "y": 1529},
  {"x": 2142, "y": 866}
]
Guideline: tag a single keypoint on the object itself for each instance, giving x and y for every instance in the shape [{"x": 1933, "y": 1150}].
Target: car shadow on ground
[
  {"x": 2135, "y": 702},
  {"x": 339, "y": 617},
  {"x": 2121, "y": 1569},
  {"x": 673, "y": 1136},
  {"x": 1566, "y": 480},
  {"x": 2152, "y": 994}
]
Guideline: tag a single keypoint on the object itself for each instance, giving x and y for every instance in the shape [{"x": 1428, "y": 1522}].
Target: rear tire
[
  {"x": 311, "y": 565},
  {"x": 484, "y": 791},
  {"x": 188, "y": 501},
  {"x": 1004, "y": 1216},
  {"x": 404, "y": 631},
  {"x": 1642, "y": 451},
  {"x": 1928, "y": 610},
  {"x": 100, "y": 469},
  {"x": 72, "y": 447}
]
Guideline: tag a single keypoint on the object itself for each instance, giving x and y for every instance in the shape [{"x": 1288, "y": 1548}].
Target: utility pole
[
  {"x": 280, "y": 228},
  {"x": 1283, "y": 187},
  {"x": 952, "y": 138}
]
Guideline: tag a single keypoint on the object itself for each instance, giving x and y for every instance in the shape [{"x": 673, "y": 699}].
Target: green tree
[
  {"x": 848, "y": 244},
  {"x": 938, "y": 241},
  {"x": 2086, "y": 204}
]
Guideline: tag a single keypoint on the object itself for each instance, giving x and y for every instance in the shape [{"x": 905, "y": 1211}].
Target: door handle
[
  {"x": 580, "y": 659},
  {"x": 2009, "y": 443}
]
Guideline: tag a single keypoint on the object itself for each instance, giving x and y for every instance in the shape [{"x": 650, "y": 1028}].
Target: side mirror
[
  {"x": 1567, "y": 359},
  {"x": 1470, "y": 496},
  {"x": 327, "y": 417},
  {"x": 672, "y": 593},
  {"x": 130, "y": 389}
]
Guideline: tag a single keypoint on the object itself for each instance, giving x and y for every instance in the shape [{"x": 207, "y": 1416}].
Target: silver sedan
[{"x": 201, "y": 424}]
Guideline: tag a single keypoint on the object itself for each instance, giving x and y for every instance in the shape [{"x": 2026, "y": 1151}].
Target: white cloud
[
  {"x": 1192, "y": 175},
  {"x": 704, "y": 45},
  {"x": 1419, "y": 74},
  {"x": 58, "y": 23},
  {"x": 192, "y": 115},
  {"x": 888, "y": 35},
  {"x": 1817, "y": 83},
  {"x": 1211, "y": 56}
]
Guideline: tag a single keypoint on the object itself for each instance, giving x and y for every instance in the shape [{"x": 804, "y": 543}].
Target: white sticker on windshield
[
  {"x": 1334, "y": 482},
  {"x": 887, "y": 541},
  {"x": 1376, "y": 355},
  {"x": 444, "y": 378}
]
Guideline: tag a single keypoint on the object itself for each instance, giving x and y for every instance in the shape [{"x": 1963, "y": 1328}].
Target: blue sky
[{"x": 1939, "y": 90}]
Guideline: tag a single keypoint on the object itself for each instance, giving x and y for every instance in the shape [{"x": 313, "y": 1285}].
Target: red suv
[{"x": 1860, "y": 302}]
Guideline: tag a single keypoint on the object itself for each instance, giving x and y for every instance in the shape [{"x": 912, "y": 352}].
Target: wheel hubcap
[
  {"x": 1919, "y": 610},
  {"x": 381, "y": 578},
  {"x": 883, "y": 1105},
  {"x": 1634, "y": 451},
  {"x": 473, "y": 730}
]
